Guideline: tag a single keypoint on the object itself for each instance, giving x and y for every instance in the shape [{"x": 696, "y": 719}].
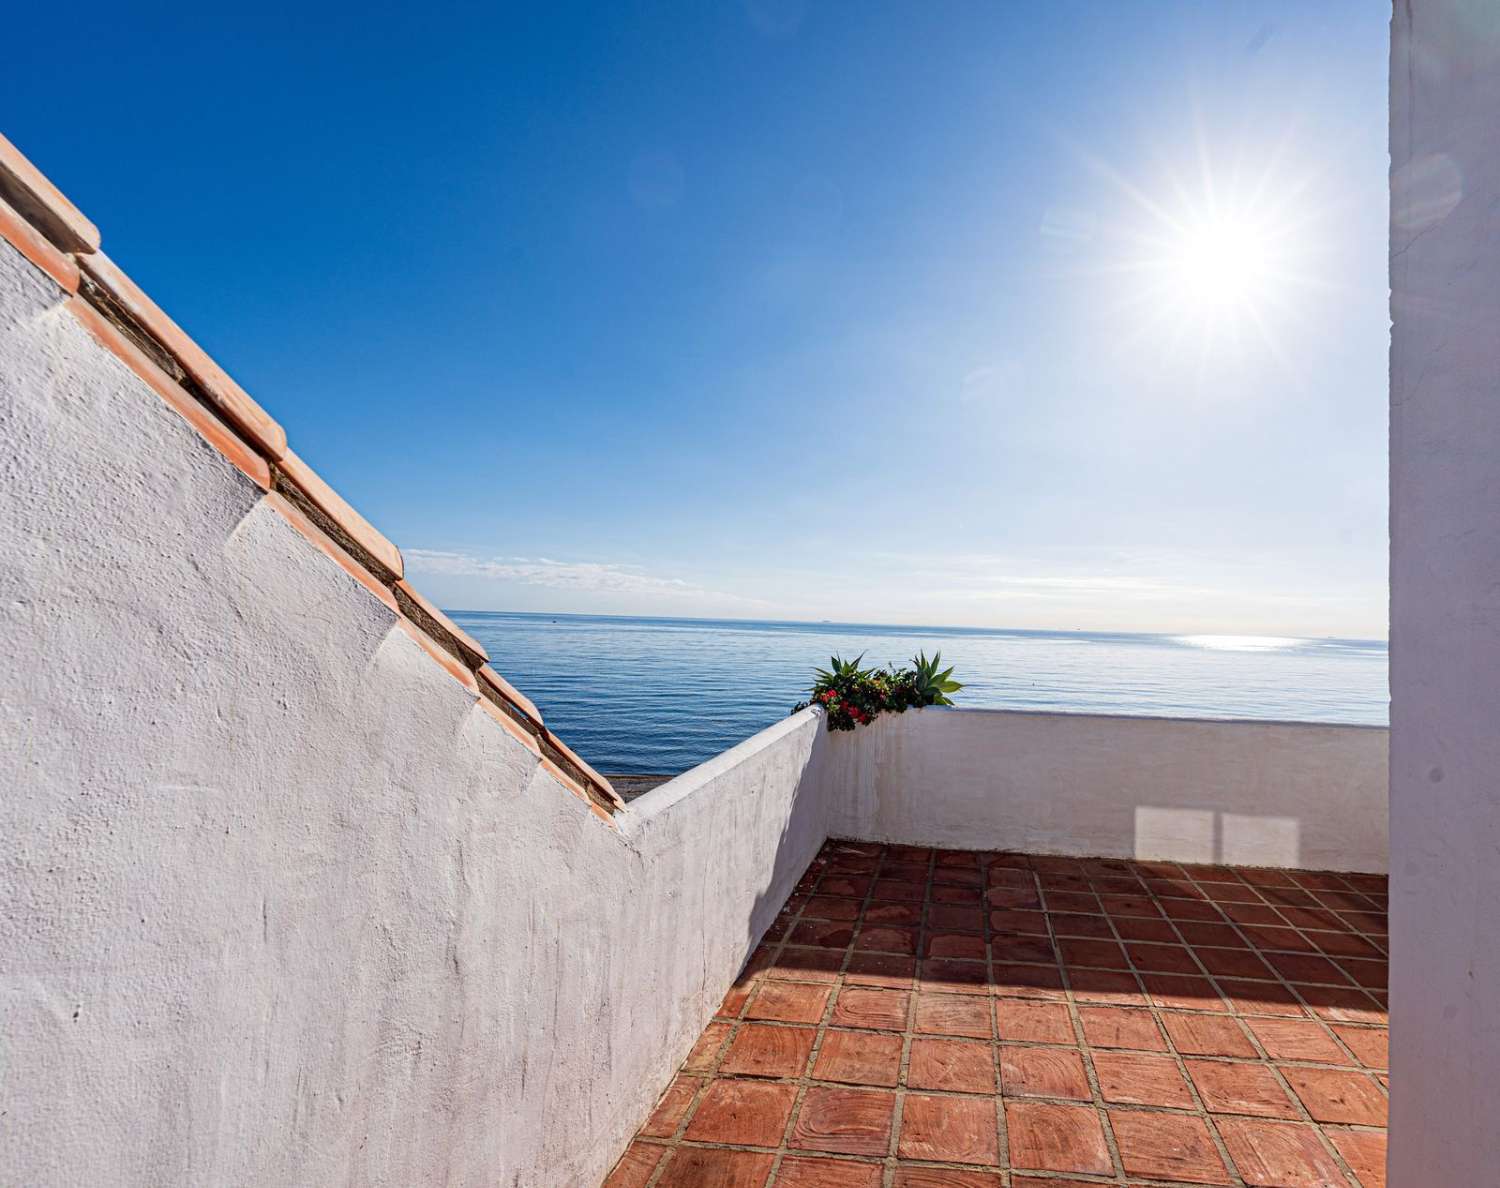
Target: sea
[{"x": 660, "y": 695}]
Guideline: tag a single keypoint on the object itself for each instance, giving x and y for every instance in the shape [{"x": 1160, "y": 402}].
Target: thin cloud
[{"x": 590, "y": 576}]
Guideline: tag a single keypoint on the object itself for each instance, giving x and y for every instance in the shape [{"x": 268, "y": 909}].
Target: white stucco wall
[
  {"x": 1256, "y": 793},
  {"x": 1445, "y": 593},
  {"x": 278, "y": 904}
]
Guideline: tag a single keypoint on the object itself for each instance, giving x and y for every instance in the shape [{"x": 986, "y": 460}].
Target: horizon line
[{"x": 1384, "y": 641}]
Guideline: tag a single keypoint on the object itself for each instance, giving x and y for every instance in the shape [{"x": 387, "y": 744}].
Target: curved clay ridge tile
[
  {"x": 45, "y": 227},
  {"x": 37, "y": 248},
  {"x": 337, "y": 509},
  {"x": 227, "y": 396},
  {"x": 42, "y": 204}
]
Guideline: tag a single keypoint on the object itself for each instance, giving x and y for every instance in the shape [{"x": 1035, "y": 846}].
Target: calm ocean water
[{"x": 660, "y": 695}]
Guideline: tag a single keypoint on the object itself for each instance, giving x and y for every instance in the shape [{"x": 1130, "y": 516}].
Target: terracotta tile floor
[{"x": 921, "y": 1019}]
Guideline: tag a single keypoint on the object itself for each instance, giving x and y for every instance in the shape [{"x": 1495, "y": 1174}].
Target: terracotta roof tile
[
  {"x": 42, "y": 203},
  {"x": 341, "y": 513},
  {"x": 214, "y": 431},
  {"x": 464, "y": 640},
  {"x": 228, "y": 397},
  {"x": 572, "y": 757},
  {"x": 37, "y": 248},
  {"x": 488, "y": 676}
]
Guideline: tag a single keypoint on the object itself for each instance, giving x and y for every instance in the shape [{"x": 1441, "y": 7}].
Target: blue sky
[{"x": 1026, "y": 314}]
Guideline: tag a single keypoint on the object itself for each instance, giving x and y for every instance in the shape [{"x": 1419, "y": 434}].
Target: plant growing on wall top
[{"x": 853, "y": 696}]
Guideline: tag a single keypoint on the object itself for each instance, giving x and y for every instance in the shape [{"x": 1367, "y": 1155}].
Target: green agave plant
[{"x": 933, "y": 686}]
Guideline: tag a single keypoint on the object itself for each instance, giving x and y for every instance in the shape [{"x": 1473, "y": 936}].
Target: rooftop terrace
[{"x": 949, "y": 1019}]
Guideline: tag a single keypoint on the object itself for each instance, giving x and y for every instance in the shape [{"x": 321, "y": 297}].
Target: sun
[
  {"x": 1222, "y": 262},
  {"x": 1205, "y": 263}
]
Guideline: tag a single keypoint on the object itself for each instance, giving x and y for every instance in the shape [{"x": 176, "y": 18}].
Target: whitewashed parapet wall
[
  {"x": 280, "y": 902},
  {"x": 1250, "y": 793}
]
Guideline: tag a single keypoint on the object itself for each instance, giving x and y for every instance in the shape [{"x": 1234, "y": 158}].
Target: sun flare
[
  {"x": 1211, "y": 263},
  {"x": 1221, "y": 262}
]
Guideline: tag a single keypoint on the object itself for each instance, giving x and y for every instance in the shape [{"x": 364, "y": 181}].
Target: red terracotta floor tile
[
  {"x": 1016, "y": 948},
  {"x": 863, "y": 1006},
  {"x": 1167, "y": 1147},
  {"x": 1118, "y": 1027},
  {"x": 1011, "y": 920},
  {"x": 1045, "y": 1137},
  {"x": 957, "y": 946},
  {"x": 1234, "y": 963},
  {"x": 881, "y": 969},
  {"x": 1183, "y": 993},
  {"x": 852, "y": 886},
  {"x": 1370, "y": 1045},
  {"x": 1140, "y": 1078},
  {"x": 823, "y": 934},
  {"x": 953, "y": 977},
  {"x": 1364, "y": 1151},
  {"x": 1200, "y": 934},
  {"x": 1157, "y": 958},
  {"x": 1100, "y": 954},
  {"x": 1279, "y": 1154},
  {"x": 1207, "y": 1035},
  {"x": 1106, "y": 985},
  {"x": 1240, "y": 1089},
  {"x": 958, "y": 1066},
  {"x": 957, "y": 917},
  {"x": 1306, "y": 967},
  {"x": 1297, "y": 1039},
  {"x": 806, "y": 965},
  {"x": 899, "y": 889},
  {"x": 694, "y": 1167},
  {"x": 1336, "y": 1095},
  {"x": 1261, "y": 998},
  {"x": 933, "y": 1177},
  {"x": 906, "y": 915},
  {"x": 806, "y": 1171},
  {"x": 1371, "y": 974},
  {"x": 745, "y": 1113},
  {"x": 765, "y": 1050},
  {"x": 1340, "y": 1005},
  {"x": 928, "y": 1021},
  {"x": 884, "y": 938},
  {"x": 953, "y": 1014},
  {"x": 859, "y": 1058},
  {"x": 1078, "y": 924},
  {"x": 1054, "y": 1182},
  {"x": 789, "y": 1002},
  {"x": 672, "y": 1108},
  {"x": 1033, "y": 1022},
  {"x": 949, "y": 1129},
  {"x": 1043, "y": 1072},
  {"x": 844, "y": 1121},
  {"x": 831, "y": 907},
  {"x": 1139, "y": 928},
  {"x": 1027, "y": 981},
  {"x": 963, "y": 896},
  {"x": 635, "y": 1166},
  {"x": 706, "y": 1051}
]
